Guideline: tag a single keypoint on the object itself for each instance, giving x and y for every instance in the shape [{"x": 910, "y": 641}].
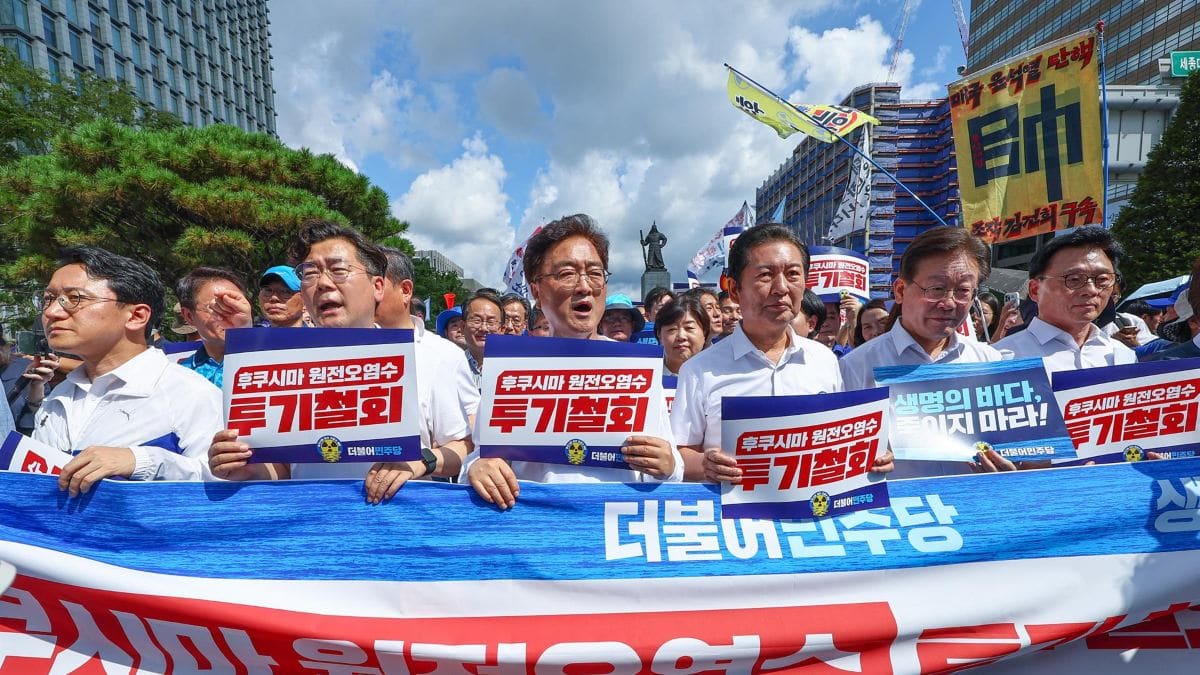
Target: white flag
[
  {"x": 851, "y": 215},
  {"x": 514, "y": 271},
  {"x": 712, "y": 254}
]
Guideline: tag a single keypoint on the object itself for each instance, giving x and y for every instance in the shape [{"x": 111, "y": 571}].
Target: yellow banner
[
  {"x": 1028, "y": 142},
  {"x": 828, "y": 121}
]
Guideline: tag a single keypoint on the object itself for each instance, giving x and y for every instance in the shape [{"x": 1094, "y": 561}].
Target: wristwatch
[{"x": 430, "y": 461}]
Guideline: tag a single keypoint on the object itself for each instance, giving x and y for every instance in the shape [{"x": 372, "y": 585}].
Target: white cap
[{"x": 1182, "y": 307}]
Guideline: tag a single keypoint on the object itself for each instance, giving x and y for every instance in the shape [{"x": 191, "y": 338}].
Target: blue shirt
[{"x": 206, "y": 366}]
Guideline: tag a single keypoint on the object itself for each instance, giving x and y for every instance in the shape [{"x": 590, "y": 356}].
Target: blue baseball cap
[
  {"x": 285, "y": 274},
  {"x": 445, "y": 317},
  {"x": 620, "y": 301}
]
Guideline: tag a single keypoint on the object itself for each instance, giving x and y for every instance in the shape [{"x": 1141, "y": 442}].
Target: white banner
[
  {"x": 323, "y": 395},
  {"x": 851, "y": 215}
]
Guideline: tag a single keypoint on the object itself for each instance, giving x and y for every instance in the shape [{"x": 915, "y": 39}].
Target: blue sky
[{"x": 482, "y": 120}]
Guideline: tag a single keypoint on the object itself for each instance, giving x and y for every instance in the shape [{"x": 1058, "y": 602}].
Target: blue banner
[
  {"x": 304, "y": 575},
  {"x": 953, "y": 411}
]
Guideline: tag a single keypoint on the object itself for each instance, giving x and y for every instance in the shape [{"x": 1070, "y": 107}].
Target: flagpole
[
  {"x": 1103, "y": 118},
  {"x": 844, "y": 141}
]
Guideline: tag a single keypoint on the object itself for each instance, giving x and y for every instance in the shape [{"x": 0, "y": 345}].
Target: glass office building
[
  {"x": 1137, "y": 32},
  {"x": 207, "y": 61}
]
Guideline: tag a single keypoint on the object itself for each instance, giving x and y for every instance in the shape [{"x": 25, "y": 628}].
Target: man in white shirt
[
  {"x": 127, "y": 410},
  {"x": 762, "y": 357},
  {"x": 939, "y": 277},
  {"x": 342, "y": 281},
  {"x": 1071, "y": 280},
  {"x": 566, "y": 264},
  {"x": 444, "y": 384}
]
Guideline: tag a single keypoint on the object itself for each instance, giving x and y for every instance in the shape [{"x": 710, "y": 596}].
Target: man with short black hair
[
  {"x": 730, "y": 314},
  {"x": 811, "y": 317},
  {"x": 655, "y": 300},
  {"x": 1071, "y": 280},
  {"x": 516, "y": 313},
  {"x": 212, "y": 300},
  {"x": 763, "y": 357},
  {"x": 127, "y": 411},
  {"x": 483, "y": 315},
  {"x": 566, "y": 264},
  {"x": 342, "y": 280}
]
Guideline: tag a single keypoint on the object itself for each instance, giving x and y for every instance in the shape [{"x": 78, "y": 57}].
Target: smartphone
[
  {"x": 1122, "y": 321},
  {"x": 1012, "y": 298},
  {"x": 27, "y": 342},
  {"x": 30, "y": 343}
]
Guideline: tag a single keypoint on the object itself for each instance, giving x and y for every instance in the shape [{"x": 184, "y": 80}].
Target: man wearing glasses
[
  {"x": 483, "y": 316},
  {"x": 567, "y": 265},
  {"x": 279, "y": 298},
  {"x": 940, "y": 273},
  {"x": 342, "y": 277},
  {"x": 516, "y": 314},
  {"x": 127, "y": 411},
  {"x": 1071, "y": 280}
]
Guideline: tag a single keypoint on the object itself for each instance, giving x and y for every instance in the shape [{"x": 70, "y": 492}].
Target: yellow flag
[
  {"x": 1028, "y": 142},
  {"x": 831, "y": 121}
]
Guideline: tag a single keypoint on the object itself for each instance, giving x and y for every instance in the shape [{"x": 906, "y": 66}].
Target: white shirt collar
[
  {"x": 137, "y": 375},
  {"x": 741, "y": 344},
  {"x": 1045, "y": 332},
  {"x": 903, "y": 341}
]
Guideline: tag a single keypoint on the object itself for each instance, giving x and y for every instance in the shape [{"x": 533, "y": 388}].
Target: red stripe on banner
[{"x": 47, "y": 625}]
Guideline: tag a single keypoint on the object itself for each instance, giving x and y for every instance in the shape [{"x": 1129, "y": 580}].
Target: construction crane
[
  {"x": 963, "y": 33},
  {"x": 905, "y": 13}
]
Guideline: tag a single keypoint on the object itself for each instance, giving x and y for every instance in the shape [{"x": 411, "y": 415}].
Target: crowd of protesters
[{"x": 102, "y": 390}]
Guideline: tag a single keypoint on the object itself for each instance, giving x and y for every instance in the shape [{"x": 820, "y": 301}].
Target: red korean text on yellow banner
[{"x": 1028, "y": 141}]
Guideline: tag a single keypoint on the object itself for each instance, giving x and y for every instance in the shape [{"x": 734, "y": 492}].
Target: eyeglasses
[
  {"x": 568, "y": 277},
  {"x": 310, "y": 273},
  {"x": 1077, "y": 281},
  {"x": 476, "y": 323},
  {"x": 283, "y": 293},
  {"x": 939, "y": 293},
  {"x": 69, "y": 301},
  {"x": 514, "y": 321}
]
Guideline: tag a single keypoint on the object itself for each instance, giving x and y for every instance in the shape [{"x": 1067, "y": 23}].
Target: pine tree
[{"x": 176, "y": 199}]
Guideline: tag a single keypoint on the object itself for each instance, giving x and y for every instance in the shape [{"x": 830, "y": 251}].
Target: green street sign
[{"x": 1183, "y": 63}]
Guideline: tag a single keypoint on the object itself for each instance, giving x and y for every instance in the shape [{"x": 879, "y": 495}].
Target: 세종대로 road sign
[{"x": 1183, "y": 63}]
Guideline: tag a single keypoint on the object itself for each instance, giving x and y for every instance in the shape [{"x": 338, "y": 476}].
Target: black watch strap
[{"x": 430, "y": 461}]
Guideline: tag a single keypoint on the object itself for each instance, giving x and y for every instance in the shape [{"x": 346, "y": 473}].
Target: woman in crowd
[
  {"x": 683, "y": 329},
  {"x": 872, "y": 321}
]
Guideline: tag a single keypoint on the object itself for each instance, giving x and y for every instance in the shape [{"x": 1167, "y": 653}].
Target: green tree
[
  {"x": 176, "y": 198},
  {"x": 1160, "y": 227},
  {"x": 34, "y": 110},
  {"x": 429, "y": 283}
]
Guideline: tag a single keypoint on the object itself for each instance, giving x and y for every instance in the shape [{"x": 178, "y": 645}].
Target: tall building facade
[
  {"x": 439, "y": 262},
  {"x": 913, "y": 141},
  {"x": 207, "y": 61},
  {"x": 1137, "y": 32}
]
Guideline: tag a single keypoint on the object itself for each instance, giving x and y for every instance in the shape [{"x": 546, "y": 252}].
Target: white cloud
[
  {"x": 461, "y": 210},
  {"x": 834, "y": 62},
  {"x": 615, "y": 109}
]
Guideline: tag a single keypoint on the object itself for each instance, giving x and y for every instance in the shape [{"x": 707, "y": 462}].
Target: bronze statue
[{"x": 652, "y": 246}]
